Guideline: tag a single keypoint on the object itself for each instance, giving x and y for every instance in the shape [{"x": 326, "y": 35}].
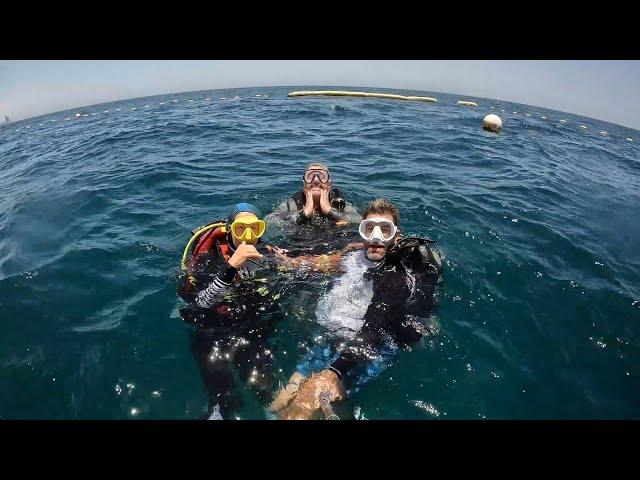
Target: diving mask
[
  {"x": 377, "y": 230},
  {"x": 248, "y": 230},
  {"x": 309, "y": 175}
]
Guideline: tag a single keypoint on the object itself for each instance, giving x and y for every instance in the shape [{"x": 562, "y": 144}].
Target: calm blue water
[{"x": 540, "y": 306}]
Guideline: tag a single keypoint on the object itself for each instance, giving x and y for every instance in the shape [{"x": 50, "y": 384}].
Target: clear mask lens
[
  {"x": 377, "y": 230},
  {"x": 322, "y": 176}
]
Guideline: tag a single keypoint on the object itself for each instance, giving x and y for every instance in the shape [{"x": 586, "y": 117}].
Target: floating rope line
[{"x": 339, "y": 93}]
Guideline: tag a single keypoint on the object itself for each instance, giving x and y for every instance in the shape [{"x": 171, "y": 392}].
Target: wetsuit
[
  {"x": 292, "y": 210},
  {"x": 374, "y": 308},
  {"x": 235, "y": 313}
]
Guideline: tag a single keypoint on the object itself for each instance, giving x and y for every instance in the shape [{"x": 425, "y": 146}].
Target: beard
[{"x": 375, "y": 251}]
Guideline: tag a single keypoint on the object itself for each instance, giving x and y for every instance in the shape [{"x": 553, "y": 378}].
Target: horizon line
[{"x": 317, "y": 85}]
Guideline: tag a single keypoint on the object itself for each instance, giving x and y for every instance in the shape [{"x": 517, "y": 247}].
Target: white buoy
[
  {"x": 492, "y": 123},
  {"x": 630, "y": 139},
  {"x": 543, "y": 118},
  {"x": 562, "y": 120},
  {"x": 493, "y": 108},
  {"x": 77, "y": 115},
  {"x": 583, "y": 126},
  {"x": 603, "y": 132},
  {"x": 467, "y": 104}
]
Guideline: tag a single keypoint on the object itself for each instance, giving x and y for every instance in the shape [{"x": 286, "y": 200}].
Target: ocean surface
[{"x": 539, "y": 309}]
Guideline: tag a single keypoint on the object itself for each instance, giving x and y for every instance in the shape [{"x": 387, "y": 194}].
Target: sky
[{"x": 606, "y": 90}]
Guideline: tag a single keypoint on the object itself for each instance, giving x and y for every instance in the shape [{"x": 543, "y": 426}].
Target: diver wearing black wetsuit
[
  {"x": 235, "y": 311},
  {"x": 316, "y": 181},
  {"x": 383, "y": 300},
  {"x": 399, "y": 313}
]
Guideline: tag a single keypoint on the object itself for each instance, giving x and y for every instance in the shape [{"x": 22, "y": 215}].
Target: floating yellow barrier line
[
  {"x": 338, "y": 93},
  {"x": 467, "y": 104}
]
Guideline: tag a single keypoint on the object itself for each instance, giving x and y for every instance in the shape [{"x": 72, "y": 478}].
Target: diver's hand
[
  {"x": 353, "y": 246},
  {"x": 243, "y": 253},
  {"x": 283, "y": 259},
  {"x": 277, "y": 250},
  {"x": 307, "y": 399},
  {"x": 309, "y": 203},
  {"x": 325, "y": 204},
  {"x": 279, "y": 253}
]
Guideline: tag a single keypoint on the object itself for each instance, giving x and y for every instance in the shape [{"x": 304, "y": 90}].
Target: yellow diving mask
[{"x": 247, "y": 230}]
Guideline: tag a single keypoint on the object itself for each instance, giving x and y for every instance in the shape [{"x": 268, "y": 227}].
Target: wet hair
[
  {"x": 317, "y": 165},
  {"x": 382, "y": 206}
]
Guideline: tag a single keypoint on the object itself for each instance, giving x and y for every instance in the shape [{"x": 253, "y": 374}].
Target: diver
[
  {"x": 382, "y": 301},
  {"x": 233, "y": 304},
  {"x": 317, "y": 203}
]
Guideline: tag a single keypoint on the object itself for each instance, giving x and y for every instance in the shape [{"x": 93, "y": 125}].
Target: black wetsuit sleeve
[
  {"x": 211, "y": 295},
  {"x": 336, "y": 216},
  {"x": 287, "y": 211},
  {"x": 351, "y": 214}
]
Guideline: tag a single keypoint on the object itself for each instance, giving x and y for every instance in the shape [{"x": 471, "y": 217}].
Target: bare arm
[{"x": 320, "y": 263}]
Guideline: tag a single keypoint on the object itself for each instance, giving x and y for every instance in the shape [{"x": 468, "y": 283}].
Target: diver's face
[
  {"x": 244, "y": 217},
  {"x": 377, "y": 251},
  {"x": 316, "y": 186}
]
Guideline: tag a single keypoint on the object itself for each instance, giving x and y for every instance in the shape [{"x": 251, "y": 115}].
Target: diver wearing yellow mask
[
  {"x": 234, "y": 241},
  {"x": 234, "y": 303}
]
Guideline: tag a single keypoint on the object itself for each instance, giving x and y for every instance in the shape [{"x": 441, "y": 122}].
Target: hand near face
[
  {"x": 243, "y": 253},
  {"x": 309, "y": 202},
  {"x": 325, "y": 204},
  {"x": 307, "y": 402}
]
